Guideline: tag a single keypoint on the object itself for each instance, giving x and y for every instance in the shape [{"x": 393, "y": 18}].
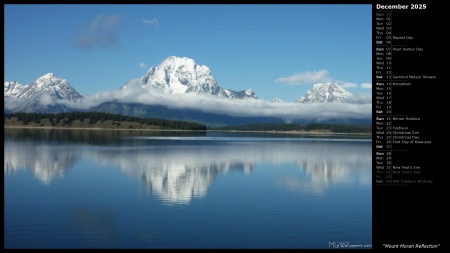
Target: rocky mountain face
[
  {"x": 325, "y": 93},
  {"x": 12, "y": 89},
  {"x": 48, "y": 93},
  {"x": 47, "y": 84},
  {"x": 182, "y": 75}
]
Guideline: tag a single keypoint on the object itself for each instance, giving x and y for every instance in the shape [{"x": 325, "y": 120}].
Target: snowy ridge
[
  {"x": 182, "y": 75},
  {"x": 325, "y": 93},
  {"x": 241, "y": 94},
  {"x": 12, "y": 89},
  {"x": 48, "y": 93},
  {"x": 276, "y": 100},
  {"x": 47, "y": 84}
]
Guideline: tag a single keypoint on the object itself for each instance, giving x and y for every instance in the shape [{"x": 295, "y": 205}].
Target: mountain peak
[
  {"x": 325, "y": 93},
  {"x": 49, "y": 80},
  {"x": 181, "y": 75},
  {"x": 276, "y": 100},
  {"x": 240, "y": 94},
  {"x": 51, "y": 85},
  {"x": 48, "y": 75},
  {"x": 171, "y": 59}
]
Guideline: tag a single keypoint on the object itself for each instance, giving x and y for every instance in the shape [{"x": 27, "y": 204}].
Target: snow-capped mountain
[
  {"x": 241, "y": 94},
  {"x": 48, "y": 93},
  {"x": 325, "y": 93},
  {"x": 182, "y": 75},
  {"x": 12, "y": 89},
  {"x": 276, "y": 100},
  {"x": 139, "y": 98},
  {"x": 51, "y": 85}
]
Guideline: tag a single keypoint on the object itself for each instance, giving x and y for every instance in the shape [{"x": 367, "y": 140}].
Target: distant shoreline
[
  {"x": 293, "y": 132},
  {"x": 176, "y": 130}
]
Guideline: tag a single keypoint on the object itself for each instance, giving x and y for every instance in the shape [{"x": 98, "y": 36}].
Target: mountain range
[{"x": 174, "y": 76}]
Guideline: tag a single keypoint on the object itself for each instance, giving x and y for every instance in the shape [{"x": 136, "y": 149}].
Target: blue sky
[{"x": 276, "y": 50}]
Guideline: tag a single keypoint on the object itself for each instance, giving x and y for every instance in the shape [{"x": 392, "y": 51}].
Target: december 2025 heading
[{"x": 401, "y": 6}]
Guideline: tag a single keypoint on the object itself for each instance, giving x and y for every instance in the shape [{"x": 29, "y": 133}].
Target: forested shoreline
[
  {"x": 95, "y": 120},
  {"x": 118, "y": 121}
]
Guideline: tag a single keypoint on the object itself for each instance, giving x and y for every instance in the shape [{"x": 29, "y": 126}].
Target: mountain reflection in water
[{"x": 179, "y": 169}]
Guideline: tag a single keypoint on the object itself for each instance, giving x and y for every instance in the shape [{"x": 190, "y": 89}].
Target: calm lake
[{"x": 142, "y": 189}]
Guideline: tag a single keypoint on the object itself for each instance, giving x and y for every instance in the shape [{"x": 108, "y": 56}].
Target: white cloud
[
  {"x": 306, "y": 77},
  {"x": 357, "y": 106},
  {"x": 45, "y": 100},
  {"x": 151, "y": 22},
  {"x": 366, "y": 85},
  {"x": 361, "y": 106},
  {"x": 142, "y": 65},
  {"x": 359, "y": 98}
]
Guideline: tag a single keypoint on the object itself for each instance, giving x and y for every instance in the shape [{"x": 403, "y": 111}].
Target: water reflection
[
  {"x": 47, "y": 162},
  {"x": 230, "y": 191},
  {"x": 332, "y": 170},
  {"x": 177, "y": 171}
]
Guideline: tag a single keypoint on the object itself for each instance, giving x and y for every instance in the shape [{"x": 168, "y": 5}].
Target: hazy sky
[{"x": 276, "y": 50}]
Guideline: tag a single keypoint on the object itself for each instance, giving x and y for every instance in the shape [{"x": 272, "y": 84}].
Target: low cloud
[
  {"x": 359, "y": 98},
  {"x": 306, "y": 77},
  {"x": 142, "y": 65},
  {"x": 103, "y": 31},
  {"x": 45, "y": 100},
  {"x": 358, "y": 106},
  {"x": 151, "y": 22}
]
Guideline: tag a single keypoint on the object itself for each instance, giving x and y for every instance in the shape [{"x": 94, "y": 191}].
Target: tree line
[{"x": 66, "y": 118}]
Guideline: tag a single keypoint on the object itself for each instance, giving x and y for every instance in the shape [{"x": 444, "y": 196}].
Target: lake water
[{"x": 133, "y": 189}]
